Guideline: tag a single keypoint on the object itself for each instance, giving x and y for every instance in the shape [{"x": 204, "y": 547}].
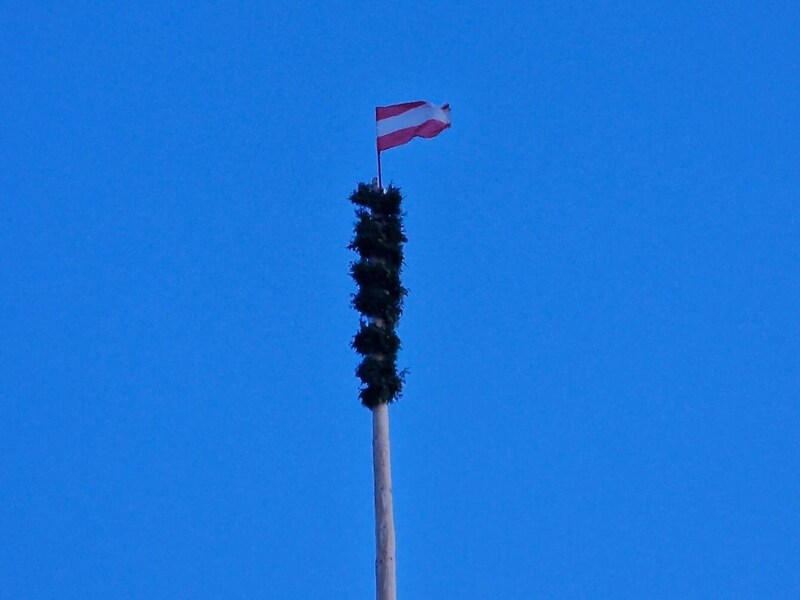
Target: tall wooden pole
[
  {"x": 385, "y": 572},
  {"x": 379, "y": 240},
  {"x": 385, "y": 563}
]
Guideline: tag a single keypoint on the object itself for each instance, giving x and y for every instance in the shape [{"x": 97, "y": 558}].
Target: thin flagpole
[
  {"x": 378, "y": 150},
  {"x": 380, "y": 181}
]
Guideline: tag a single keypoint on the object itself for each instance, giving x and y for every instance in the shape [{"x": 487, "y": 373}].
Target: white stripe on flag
[{"x": 413, "y": 118}]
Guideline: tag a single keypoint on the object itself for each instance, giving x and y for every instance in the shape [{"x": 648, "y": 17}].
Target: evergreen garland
[{"x": 378, "y": 240}]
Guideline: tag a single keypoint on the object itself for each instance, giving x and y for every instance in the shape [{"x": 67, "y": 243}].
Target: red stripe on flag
[
  {"x": 384, "y": 112},
  {"x": 428, "y": 129}
]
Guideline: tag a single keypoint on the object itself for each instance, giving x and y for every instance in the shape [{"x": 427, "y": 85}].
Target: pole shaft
[{"x": 385, "y": 573}]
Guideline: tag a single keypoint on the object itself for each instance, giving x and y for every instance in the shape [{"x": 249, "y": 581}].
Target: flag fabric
[{"x": 398, "y": 124}]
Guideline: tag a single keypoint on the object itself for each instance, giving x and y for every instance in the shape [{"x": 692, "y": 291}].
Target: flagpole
[
  {"x": 378, "y": 149},
  {"x": 380, "y": 181}
]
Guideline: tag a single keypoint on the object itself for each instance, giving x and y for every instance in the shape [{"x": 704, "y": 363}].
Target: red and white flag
[{"x": 400, "y": 123}]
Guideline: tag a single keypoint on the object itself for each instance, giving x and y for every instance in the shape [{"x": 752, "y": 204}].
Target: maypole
[{"x": 379, "y": 239}]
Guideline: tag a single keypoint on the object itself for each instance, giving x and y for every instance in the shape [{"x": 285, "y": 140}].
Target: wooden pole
[
  {"x": 378, "y": 370},
  {"x": 385, "y": 572}
]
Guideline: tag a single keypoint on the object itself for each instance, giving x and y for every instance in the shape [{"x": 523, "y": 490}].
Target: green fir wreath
[{"x": 378, "y": 240}]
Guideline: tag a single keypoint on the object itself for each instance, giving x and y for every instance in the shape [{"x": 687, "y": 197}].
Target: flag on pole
[{"x": 398, "y": 124}]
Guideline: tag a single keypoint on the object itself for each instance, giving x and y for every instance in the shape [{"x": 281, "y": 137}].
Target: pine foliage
[{"x": 378, "y": 239}]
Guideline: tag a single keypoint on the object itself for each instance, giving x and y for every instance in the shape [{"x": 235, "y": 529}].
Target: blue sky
[{"x": 602, "y": 331}]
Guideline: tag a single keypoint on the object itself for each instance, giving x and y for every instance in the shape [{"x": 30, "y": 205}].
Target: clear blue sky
[{"x": 602, "y": 332}]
